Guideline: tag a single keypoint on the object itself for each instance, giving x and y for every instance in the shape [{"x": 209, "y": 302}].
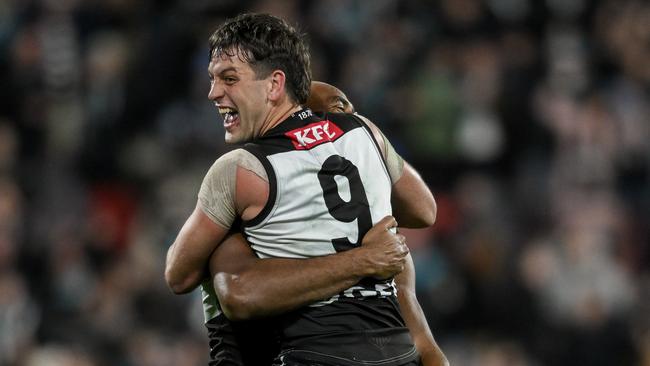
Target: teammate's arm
[
  {"x": 249, "y": 287},
  {"x": 412, "y": 201},
  {"x": 416, "y": 322}
]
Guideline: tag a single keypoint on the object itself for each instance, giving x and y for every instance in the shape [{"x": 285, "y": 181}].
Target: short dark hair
[{"x": 267, "y": 43}]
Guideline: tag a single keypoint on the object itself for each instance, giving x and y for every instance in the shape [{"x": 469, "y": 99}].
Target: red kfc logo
[{"x": 314, "y": 134}]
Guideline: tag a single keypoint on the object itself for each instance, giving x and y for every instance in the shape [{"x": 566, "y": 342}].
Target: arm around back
[
  {"x": 249, "y": 287},
  {"x": 412, "y": 201}
]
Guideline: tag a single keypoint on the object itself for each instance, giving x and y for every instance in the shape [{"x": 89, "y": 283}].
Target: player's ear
[{"x": 276, "y": 85}]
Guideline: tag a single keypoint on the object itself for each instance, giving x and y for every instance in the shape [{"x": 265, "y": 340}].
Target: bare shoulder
[
  {"x": 226, "y": 165},
  {"x": 236, "y": 157},
  {"x": 236, "y": 184},
  {"x": 251, "y": 183}
]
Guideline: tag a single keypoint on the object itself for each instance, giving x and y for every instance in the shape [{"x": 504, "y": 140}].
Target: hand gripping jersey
[{"x": 328, "y": 186}]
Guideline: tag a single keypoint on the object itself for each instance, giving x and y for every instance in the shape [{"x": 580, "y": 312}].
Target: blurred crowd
[{"x": 529, "y": 119}]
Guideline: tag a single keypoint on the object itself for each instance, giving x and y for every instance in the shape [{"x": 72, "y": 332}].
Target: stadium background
[{"x": 529, "y": 120}]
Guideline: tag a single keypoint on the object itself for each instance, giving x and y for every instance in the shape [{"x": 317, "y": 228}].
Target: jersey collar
[{"x": 297, "y": 119}]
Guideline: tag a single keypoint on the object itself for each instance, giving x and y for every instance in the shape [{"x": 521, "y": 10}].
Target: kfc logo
[{"x": 314, "y": 134}]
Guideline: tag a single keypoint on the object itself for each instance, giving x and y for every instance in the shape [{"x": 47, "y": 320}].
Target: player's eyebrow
[
  {"x": 220, "y": 73},
  {"x": 337, "y": 99},
  {"x": 228, "y": 69}
]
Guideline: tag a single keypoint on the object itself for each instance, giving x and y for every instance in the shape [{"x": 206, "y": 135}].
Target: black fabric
[
  {"x": 303, "y": 358},
  {"x": 342, "y": 316},
  {"x": 385, "y": 347},
  {"x": 275, "y": 141},
  {"x": 249, "y": 343},
  {"x": 370, "y": 329}
]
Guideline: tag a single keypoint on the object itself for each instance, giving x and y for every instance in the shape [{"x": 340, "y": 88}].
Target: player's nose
[{"x": 216, "y": 91}]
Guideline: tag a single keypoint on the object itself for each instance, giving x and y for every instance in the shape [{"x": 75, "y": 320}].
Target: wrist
[{"x": 360, "y": 266}]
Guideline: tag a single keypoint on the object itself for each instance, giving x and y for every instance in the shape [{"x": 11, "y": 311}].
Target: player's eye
[
  {"x": 229, "y": 80},
  {"x": 338, "y": 108}
]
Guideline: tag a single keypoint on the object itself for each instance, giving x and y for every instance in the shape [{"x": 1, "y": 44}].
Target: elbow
[
  {"x": 429, "y": 218},
  {"x": 236, "y": 302},
  {"x": 235, "y": 310},
  {"x": 177, "y": 284},
  {"x": 426, "y": 217}
]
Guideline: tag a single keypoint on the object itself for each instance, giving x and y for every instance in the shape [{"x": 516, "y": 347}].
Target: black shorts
[
  {"x": 301, "y": 362},
  {"x": 249, "y": 343},
  {"x": 385, "y": 347},
  {"x": 347, "y": 332},
  {"x": 298, "y": 359}
]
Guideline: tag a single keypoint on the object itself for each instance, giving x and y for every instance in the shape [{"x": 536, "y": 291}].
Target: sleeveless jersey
[{"x": 328, "y": 186}]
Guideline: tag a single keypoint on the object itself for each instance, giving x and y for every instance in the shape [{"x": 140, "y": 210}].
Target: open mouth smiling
[{"x": 230, "y": 116}]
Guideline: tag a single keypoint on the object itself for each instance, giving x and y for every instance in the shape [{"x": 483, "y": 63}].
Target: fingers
[
  {"x": 401, "y": 240},
  {"x": 388, "y": 222}
]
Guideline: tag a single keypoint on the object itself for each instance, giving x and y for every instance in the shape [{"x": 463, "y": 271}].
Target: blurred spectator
[{"x": 529, "y": 119}]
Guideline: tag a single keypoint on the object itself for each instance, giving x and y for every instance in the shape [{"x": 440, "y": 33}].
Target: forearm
[
  {"x": 180, "y": 277},
  {"x": 415, "y": 319},
  {"x": 187, "y": 258},
  {"x": 250, "y": 287},
  {"x": 416, "y": 322},
  {"x": 273, "y": 286}
]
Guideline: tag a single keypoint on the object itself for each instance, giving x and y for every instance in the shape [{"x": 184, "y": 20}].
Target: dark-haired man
[
  {"x": 305, "y": 186},
  {"x": 237, "y": 270}
]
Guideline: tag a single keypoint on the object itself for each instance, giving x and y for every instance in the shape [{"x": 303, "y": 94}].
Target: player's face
[
  {"x": 327, "y": 98},
  {"x": 240, "y": 97}
]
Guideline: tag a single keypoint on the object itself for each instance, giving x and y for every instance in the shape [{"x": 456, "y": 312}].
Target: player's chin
[{"x": 232, "y": 138}]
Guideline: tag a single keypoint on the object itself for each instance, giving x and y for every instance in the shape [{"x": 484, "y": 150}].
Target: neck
[{"x": 277, "y": 115}]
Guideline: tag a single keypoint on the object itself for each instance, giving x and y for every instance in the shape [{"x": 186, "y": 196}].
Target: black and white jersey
[{"x": 328, "y": 186}]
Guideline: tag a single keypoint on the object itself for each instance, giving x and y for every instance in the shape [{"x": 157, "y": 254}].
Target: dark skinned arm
[
  {"x": 416, "y": 322},
  {"x": 413, "y": 203},
  {"x": 249, "y": 287}
]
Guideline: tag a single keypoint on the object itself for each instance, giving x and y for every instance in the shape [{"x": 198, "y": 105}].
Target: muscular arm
[
  {"x": 250, "y": 287},
  {"x": 187, "y": 257},
  {"x": 415, "y": 320},
  {"x": 412, "y": 201},
  {"x": 218, "y": 204}
]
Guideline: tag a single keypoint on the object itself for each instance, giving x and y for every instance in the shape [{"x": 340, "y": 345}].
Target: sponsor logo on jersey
[
  {"x": 314, "y": 134},
  {"x": 379, "y": 341}
]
